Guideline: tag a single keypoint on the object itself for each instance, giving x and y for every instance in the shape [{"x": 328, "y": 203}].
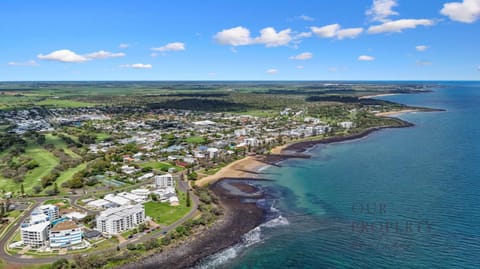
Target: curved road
[{"x": 16, "y": 259}]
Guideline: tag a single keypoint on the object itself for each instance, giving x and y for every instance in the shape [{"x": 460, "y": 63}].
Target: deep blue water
[{"x": 421, "y": 186}]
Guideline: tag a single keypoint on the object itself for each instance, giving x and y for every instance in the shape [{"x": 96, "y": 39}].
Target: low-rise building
[
  {"x": 115, "y": 199},
  {"x": 119, "y": 219},
  {"x": 65, "y": 234},
  {"x": 164, "y": 181},
  {"x": 141, "y": 192}
]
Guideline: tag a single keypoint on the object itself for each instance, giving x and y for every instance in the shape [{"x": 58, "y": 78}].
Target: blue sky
[{"x": 240, "y": 40}]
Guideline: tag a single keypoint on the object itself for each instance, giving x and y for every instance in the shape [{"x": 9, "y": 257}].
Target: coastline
[{"x": 239, "y": 218}]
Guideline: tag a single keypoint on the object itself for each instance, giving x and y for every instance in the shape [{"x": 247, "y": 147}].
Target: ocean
[{"x": 398, "y": 198}]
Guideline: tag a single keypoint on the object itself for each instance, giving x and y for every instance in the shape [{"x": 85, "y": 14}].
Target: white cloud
[
  {"x": 303, "y": 35},
  {"x": 237, "y": 36},
  {"x": 421, "y": 48},
  {"x": 326, "y": 31},
  {"x": 478, "y": 68},
  {"x": 302, "y": 56},
  {"x": 104, "y": 55},
  {"x": 65, "y": 56},
  {"x": 272, "y": 71},
  {"x": 27, "y": 63},
  {"x": 306, "y": 18},
  {"x": 399, "y": 25},
  {"x": 467, "y": 11},
  {"x": 212, "y": 74},
  {"x": 381, "y": 10},
  {"x": 137, "y": 66},
  {"x": 123, "y": 46},
  {"x": 365, "y": 58},
  {"x": 272, "y": 38},
  {"x": 334, "y": 30},
  {"x": 349, "y": 33},
  {"x": 68, "y": 56},
  {"x": 300, "y": 66},
  {"x": 332, "y": 69},
  {"x": 175, "y": 46},
  {"x": 240, "y": 36}
]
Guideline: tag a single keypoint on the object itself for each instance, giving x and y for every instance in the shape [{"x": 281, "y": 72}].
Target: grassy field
[
  {"x": 56, "y": 201},
  {"x": 68, "y": 174},
  {"x": 102, "y": 136},
  {"x": 60, "y": 144},
  {"x": 160, "y": 166},
  {"x": 46, "y": 162},
  {"x": 195, "y": 140},
  {"x": 165, "y": 214}
]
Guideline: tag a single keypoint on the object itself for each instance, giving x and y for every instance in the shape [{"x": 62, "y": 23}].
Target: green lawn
[
  {"x": 60, "y": 144},
  {"x": 160, "y": 166},
  {"x": 68, "y": 174},
  {"x": 46, "y": 162},
  {"x": 195, "y": 140},
  {"x": 165, "y": 214},
  {"x": 66, "y": 202},
  {"x": 102, "y": 136},
  {"x": 14, "y": 213}
]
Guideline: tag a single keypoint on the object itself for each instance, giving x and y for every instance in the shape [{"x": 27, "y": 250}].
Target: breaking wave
[{"x": 253, "y": 237}]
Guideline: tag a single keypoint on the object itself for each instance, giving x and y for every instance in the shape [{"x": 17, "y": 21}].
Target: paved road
[{"x": 16, "y": 259}]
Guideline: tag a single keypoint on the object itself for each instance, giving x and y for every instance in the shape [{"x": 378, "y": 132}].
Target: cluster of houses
[
  {"x": 26, "y": 120},
  {"x": 44, "y": 120},
  {"x": 45, "y": 228},
  {"x": 223, "y": 135}
]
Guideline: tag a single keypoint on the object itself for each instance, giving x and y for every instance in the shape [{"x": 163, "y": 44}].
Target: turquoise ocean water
[{"x": 399, "y": 198}]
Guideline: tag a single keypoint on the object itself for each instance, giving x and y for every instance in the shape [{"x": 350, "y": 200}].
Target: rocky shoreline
[{"x": 238, "y": 219}]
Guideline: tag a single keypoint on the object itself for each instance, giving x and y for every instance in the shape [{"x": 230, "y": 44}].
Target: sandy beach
[
  {"x": 397, "y": 112},
  {"x": 244, "y": 168},
  {"x": 377, "y": 95}
]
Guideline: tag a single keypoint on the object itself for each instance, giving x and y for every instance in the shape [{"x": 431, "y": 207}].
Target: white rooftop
[
  {"x": 37, "y": 227},
  {"x": 116, "y": 199}
]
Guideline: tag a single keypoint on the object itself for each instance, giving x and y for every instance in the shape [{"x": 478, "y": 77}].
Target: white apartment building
[
  {"x": 164, "y": 181},
  {"x": 35, "y": 235},
  {"x": 50, "y": 210},
  {"x": 119, "y": 219},
  {"x": 65, "y": 234}
]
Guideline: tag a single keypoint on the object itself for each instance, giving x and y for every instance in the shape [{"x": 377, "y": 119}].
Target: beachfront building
[
  {"x": 65, "y": 234},
  {"x": 346, "y": 124},
  {"x": 35, "y": 235},
  {"x": 164, "y": 181},
  {"x": 119, "y": 219}
]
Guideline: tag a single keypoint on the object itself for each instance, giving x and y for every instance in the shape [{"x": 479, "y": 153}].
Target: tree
[
  {"x": 60, "y": 264},
  {"x": 55, "y": 188},
  {"x": 188, "y": 199},
  {"x": 151, "y": 244},
  {"x": 22, "y": 190},
  {"x": 192, "y": 176},
  {"x": 2, "y": 210}
]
